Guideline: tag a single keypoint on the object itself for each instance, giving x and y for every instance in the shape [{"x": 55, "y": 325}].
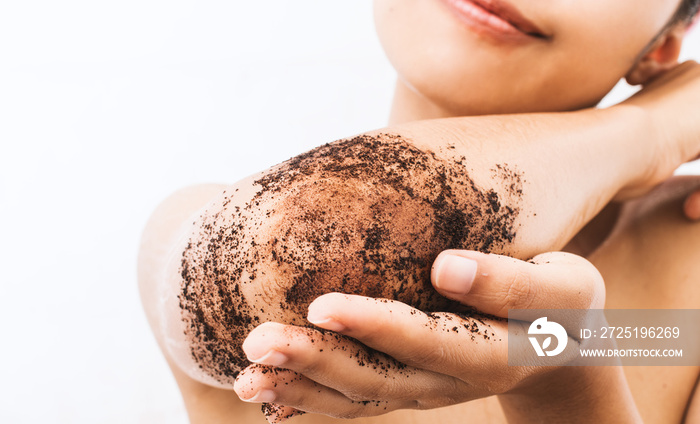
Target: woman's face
[{"x": 487, "y": 56}]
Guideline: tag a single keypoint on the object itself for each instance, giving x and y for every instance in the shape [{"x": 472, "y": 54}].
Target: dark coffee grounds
[
  {"x": 366, "y": 215},
  {"x": 276, "y": 413}
]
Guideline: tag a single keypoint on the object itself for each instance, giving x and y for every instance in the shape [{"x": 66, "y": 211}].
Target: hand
[
  {"x": 669, "y": 102},
  {"x": 415, "y": 360},
  {"x": 677, "y": 188}
]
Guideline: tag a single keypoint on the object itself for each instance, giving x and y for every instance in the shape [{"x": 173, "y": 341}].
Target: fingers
[
  {"x": 342, "y": 364},
  {"x": 275, "y": 413},
  {"x": 402, "y": 358},
  {"x": 471, "y": 349},
  {"x": 493, "y": 284},
  {"x": 259, "y": 383},
  {"x": 691, "y": 207}
]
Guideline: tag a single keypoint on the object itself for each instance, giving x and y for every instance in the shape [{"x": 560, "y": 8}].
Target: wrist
[
  {"x": 573, "y": 394},
  {"x": 642, "y": 150}
]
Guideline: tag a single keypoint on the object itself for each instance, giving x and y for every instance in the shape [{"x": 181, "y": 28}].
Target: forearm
[{"x": 570, "y": 164}]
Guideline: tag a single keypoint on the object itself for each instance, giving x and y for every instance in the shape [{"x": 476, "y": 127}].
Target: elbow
[{"x": 365, "y": 216}]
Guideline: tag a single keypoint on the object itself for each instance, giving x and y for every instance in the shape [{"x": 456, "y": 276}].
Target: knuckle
[
  {"x": 595, "y": 289},
  {"x": 519, "y": 292},
  {"x": 296, "y": 398},
  {"x": 500, "y": 386},
  {"x": 370, "y": 392},
  {"x": 496, "y": 387},
  {"x": 588, "y": 282},
  {"x": 451, "y": 392},
  {"x": 505, "y": 382},
  {"x": 436, "y": 355},
  {"x": 298, "y": 345},
  {"x": 575, "y": 279},
  {"x": 354, "y": 396},
  {"x": 305, "y": 366}
]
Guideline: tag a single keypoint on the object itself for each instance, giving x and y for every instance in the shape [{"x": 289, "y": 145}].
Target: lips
[{"x": 497, "y": 15}]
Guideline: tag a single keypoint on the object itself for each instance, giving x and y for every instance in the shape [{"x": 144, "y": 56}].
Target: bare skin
[
  {"x": 546, "y": 220},
  {"x": 154, "y": 273},
  {"x": 257, "y": 231},
  {"x": 653, "y": 231},
  {"x": 666, "y": 400}
]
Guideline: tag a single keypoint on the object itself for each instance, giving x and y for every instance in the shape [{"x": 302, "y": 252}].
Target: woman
[{"x": 522, "y": 57}]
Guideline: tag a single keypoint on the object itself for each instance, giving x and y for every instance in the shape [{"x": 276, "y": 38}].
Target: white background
[{"x": 106, "y": 107}]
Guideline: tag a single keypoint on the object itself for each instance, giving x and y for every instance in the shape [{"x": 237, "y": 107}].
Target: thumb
[{"x": 494, "y": 284}]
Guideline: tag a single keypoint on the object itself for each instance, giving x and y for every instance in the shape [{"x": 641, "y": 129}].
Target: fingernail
[
  {"x": 272, "y": 358},
  {"x": 454, "y": 274},
  {"x": 320, "y": 317},
  {"x": 262, "y": 396},
  {"x": 259, "y": 351}
]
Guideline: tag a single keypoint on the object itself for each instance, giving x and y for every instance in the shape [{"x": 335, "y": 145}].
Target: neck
[{"x": 409, "y": 105}]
